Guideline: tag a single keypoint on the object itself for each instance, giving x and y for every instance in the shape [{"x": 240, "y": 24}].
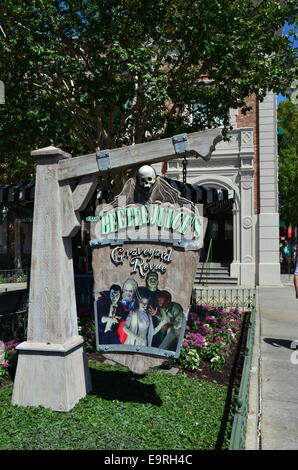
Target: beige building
[{"x": 245, "y": 229}]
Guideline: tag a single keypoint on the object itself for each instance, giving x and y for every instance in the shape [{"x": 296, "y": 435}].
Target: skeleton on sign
[
  {"x": 147, "y": 187},
  {"x": 146, "y": 177},
  {"x": 145, "y": 181}
]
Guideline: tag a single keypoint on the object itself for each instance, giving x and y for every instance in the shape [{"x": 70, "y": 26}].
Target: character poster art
[{"x": 145, "y": 250}]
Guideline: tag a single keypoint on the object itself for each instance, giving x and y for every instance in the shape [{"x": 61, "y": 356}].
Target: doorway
[{"x": 220, "y": 231}]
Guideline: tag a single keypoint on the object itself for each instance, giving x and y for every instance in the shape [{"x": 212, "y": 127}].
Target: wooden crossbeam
[{"x": 200, "y": 144}]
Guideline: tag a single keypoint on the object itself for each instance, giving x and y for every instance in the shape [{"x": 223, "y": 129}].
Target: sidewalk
[
  {"x": 273, "y": 417},
  {"x": 12, "y": 286}
]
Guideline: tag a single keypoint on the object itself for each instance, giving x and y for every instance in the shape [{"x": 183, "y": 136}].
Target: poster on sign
[{"x": 145, "y": 250}]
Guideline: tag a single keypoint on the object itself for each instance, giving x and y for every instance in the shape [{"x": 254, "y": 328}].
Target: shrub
[
  {"x": 88, "y": 332},
  {"x": 14, "y": 278},
  {"x": 190, "y": 358},
  {"x": 211, "y": 332},
  {"x": 8, "y": 357}
]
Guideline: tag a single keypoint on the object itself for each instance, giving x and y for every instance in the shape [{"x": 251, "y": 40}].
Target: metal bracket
[
  {"x": 146, "y": 350},
  {"x": 103, "y": 160},
  {"x": 180, "y": 143}
]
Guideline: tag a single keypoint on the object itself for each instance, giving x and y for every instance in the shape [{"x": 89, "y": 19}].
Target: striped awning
[
  {"x": 201, "y": 194},
  {"x": 24, "y": 192},
  {"x": 17, "y": 193}
]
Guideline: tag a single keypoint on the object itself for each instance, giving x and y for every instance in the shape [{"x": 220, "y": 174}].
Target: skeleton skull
[{"x": 146, "y": 177}]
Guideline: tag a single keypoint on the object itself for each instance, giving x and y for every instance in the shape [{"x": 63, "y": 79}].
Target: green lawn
[{"x": 157, "y": 411}]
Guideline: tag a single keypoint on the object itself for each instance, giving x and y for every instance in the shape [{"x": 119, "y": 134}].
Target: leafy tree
[
  {"x": 91, "y": 74},
  {"x": 288, "y": 166}
]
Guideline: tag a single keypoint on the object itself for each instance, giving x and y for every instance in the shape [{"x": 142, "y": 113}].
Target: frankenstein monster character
[{"x": 152, "y": 287}]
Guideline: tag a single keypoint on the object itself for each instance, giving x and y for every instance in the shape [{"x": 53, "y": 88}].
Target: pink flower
[{"x": 4, "y": 364}]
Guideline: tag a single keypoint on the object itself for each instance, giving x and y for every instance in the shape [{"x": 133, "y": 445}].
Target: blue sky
[{"x": 280, "y": 97}]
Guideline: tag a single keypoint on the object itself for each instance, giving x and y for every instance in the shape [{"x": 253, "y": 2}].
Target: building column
[
  {"x": 268, "y": 219},
  {"x": 247, "y": 271},
  {"x": 235, "y": 265}
]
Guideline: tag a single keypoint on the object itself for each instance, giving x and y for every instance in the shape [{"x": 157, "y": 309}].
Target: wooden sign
[
  {"x": 145, "y": 253},
  {"x": 52, "y": 367}
]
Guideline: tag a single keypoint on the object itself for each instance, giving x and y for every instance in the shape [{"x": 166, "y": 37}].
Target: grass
[{"x": 157, "y": 411}]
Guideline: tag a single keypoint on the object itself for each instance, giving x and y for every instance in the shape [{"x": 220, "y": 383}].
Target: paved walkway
[
  {"x": 12, "y": 286},
  {"x": 273, "y": 417}
]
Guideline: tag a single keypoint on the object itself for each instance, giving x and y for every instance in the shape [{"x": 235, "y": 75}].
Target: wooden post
[{"x": 52, "y": 370}]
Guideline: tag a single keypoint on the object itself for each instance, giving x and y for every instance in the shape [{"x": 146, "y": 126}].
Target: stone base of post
[
  {"x": 247, "y": 275},
  {"x": 235, "y": 269},
  {"x": 54, "y": 376}
]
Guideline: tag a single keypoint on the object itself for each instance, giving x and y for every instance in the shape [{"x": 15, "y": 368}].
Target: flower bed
[
  {"x": 14, "y": 278},
  {"x": 210, "y": 336}
]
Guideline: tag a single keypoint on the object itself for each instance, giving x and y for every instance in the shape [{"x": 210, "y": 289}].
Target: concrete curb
[{"x": 5, "y": 287}]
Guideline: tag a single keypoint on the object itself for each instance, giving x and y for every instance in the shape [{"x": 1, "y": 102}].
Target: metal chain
[
  {"x": 110, "y": 186},
  {"x": 184, "y": 169},
  {"x": 110, "y": 179}
]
